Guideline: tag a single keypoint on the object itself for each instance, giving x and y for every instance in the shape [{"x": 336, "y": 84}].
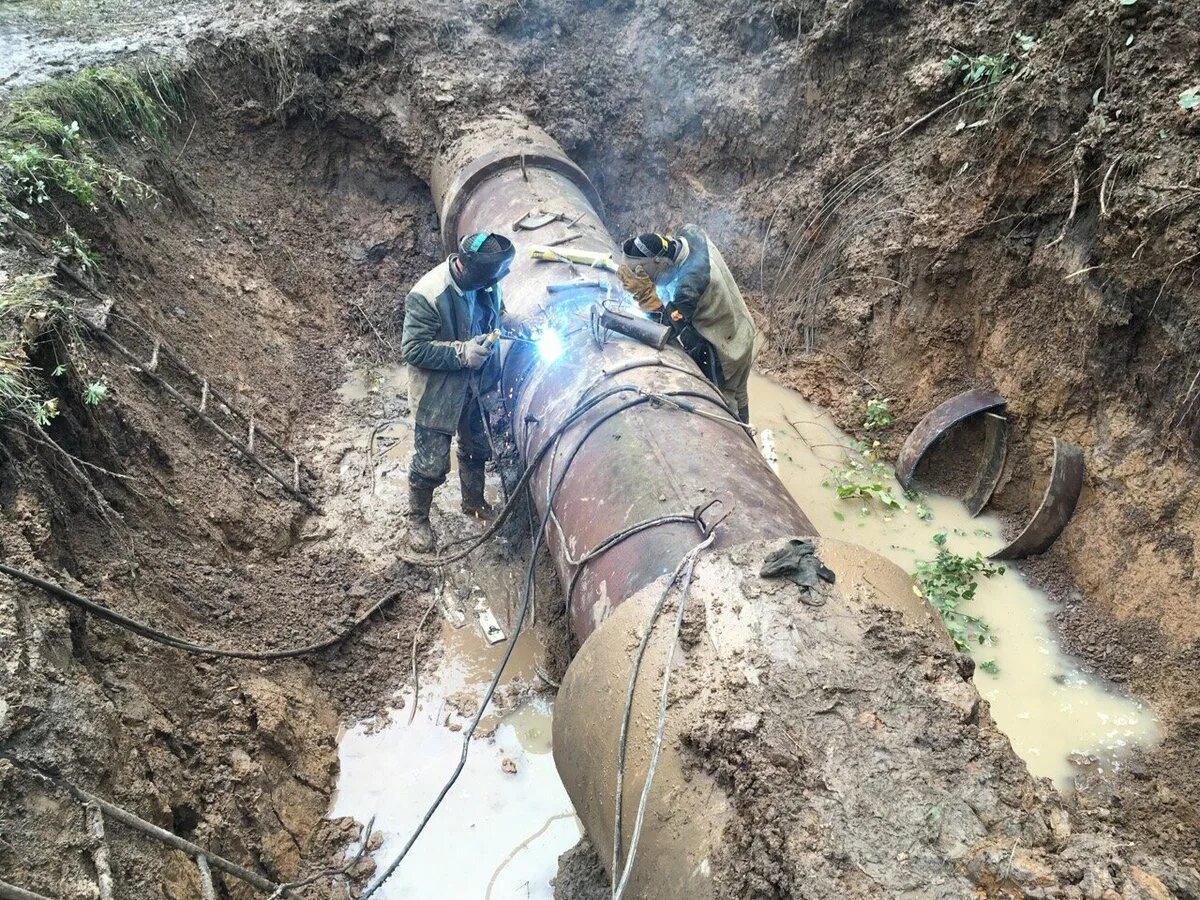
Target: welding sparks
[{"x": 549, "y": 345}]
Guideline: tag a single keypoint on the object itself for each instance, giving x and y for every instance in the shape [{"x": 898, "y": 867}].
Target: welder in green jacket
[
  {"x": 450, "y": 317},
  {"x": 682, "y": 281}
]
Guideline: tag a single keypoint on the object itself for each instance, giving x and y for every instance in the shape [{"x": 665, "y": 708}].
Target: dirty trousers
[
  {"x": 734, "y": 386},
  {"x": 431, "y": 449}
]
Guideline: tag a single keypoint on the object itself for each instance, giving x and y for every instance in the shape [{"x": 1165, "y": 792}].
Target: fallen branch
[
  {"x": 962, "y": 95},
  {"x": 104, "y": 879}
]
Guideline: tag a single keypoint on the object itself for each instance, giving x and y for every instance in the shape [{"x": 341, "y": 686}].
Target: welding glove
[
  {"x": 474, "y": 353},
  {"x": 641, "y": 286}
]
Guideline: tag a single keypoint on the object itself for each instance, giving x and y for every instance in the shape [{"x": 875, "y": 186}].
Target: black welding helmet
[
  {"x": 654, "y": 252},
  {"x": 485, "y": 259}
]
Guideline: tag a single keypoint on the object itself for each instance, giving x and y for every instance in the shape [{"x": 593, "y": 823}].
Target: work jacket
[
  {"x": 437, "y": 312},
  {"x": 698, "y": 290}
]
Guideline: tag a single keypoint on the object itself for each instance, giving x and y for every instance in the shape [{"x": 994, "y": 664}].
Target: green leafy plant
[
  {"x": 948, "y": 582},
  {"x": 989, "y": 666},
  {"x": 45, "y": 411},
  {"x": 879, "y": 416},
  {"x": 989, "y": 69},
  {"x": 18, "y": 388},
  {"x": 924, "y": 513},
  {"x": 1190, "y": 99},
  {"x": 94, "y": 392},
  {"x": 52, "y": 137},
  {"x": 862, "y": 476}
]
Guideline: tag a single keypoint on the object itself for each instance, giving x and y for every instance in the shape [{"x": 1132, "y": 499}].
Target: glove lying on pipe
[
  {"x": 474, "y": 353},
  {"x": 641, "y": 286},
  {"x": 797, "y": 561}
]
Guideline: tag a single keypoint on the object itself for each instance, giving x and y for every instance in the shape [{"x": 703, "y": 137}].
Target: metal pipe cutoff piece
[
  {"x": 944, "y": 418},
  {"x": 1057, "y": 506}
]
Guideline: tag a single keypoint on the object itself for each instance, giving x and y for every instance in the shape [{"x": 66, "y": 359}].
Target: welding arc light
[{"x": 549, "y": 345}]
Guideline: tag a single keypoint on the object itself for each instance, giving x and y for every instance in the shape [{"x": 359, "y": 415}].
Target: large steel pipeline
[
  {"x": 617, "y": 466},
  {"x": 650, "y": 460}
]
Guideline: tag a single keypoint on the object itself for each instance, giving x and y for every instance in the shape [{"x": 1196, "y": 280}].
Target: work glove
[
  {"x": 474, "y": 353},
  {"x": 641, "y": 286}
]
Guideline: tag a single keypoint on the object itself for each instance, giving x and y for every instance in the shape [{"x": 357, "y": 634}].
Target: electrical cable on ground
[
  {"x": 171, "y": 640},
  {"x": 619, "y": 882}
]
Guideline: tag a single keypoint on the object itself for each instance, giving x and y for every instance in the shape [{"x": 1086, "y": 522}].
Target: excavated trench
[{"x": 272, "y": 262}]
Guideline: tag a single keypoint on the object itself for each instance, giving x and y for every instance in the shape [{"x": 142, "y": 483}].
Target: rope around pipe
[{"x": 528, "y": 594}]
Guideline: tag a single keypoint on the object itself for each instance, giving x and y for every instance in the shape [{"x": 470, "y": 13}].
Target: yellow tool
[{"x": 592, "y": 258}]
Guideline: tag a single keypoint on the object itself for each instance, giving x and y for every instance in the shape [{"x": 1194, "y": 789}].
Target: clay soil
[{"x": 896, "y": 239}]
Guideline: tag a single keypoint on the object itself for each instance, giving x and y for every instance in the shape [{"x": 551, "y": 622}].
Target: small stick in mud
[
  {"x": 1070, "y": 216},
  {"x": 437, "y": 595},
  {"x": 104, "y": 879},
  {"x": 1104, "y": 186},
  {"x": 207, "y": 890}
]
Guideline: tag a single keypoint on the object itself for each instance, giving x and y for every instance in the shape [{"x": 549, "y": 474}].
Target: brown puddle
[{"x": 1049, "y": 707}]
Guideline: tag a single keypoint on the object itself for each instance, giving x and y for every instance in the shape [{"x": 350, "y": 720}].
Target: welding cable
[
  {"x": 510, "y": 506},
  {"x": 689, "y": 561},
  {"x": 659, "y": 362},
  {"x": 667, "y": 398},
  {"x": 528, "y": 596},
  {"x": 101, "y": 611},
  {"x": 695, "y": 518},
  {"x": 643, "y": 396}
]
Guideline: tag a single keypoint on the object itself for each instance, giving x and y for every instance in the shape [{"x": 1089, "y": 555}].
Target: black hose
[{"x": 153, "y": 634}]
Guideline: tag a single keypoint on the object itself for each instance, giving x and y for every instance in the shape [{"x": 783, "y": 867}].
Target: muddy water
[
  {"x": 501, "y": 829},
  {"x": 1050, "y": 708}
]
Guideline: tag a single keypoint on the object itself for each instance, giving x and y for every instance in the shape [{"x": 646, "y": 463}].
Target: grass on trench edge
[{"x": 56, "y": 140}]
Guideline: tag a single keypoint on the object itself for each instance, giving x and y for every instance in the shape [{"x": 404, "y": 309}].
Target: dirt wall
[{"x": 176, "y": 530}]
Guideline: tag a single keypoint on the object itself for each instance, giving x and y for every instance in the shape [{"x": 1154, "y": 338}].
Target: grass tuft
[
  {"x": 50, "y": 143},
  {"x": 27, "y": 307},
  {"x": 110, "y": 103}
]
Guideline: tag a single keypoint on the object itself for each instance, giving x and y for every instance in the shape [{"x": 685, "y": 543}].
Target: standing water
[
  {"x": 500, "y": 830},
  {"x": 1049, "y": 707}
]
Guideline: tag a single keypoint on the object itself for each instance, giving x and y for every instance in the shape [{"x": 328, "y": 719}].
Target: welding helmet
[
  {"x": 654, "y": 252},
  {"x": 485, "y": 259}
]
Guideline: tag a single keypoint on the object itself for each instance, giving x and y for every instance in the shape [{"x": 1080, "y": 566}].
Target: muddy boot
[
  {"x": 420, "y": 532},
  {"x": 473, "y": 501}
]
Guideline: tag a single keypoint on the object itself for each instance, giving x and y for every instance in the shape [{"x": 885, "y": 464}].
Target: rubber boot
[
  {"x": 420, "y": 532},
  {"x": 474, "y": 503}
]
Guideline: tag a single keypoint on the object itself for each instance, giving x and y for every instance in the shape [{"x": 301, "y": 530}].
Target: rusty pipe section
[{"x": 650, "y": 460}]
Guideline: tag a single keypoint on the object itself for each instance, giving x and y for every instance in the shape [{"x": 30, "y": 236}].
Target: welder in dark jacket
[
  {"x": 449, "y": 319},
  {"x": 682, "y": 281}
]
